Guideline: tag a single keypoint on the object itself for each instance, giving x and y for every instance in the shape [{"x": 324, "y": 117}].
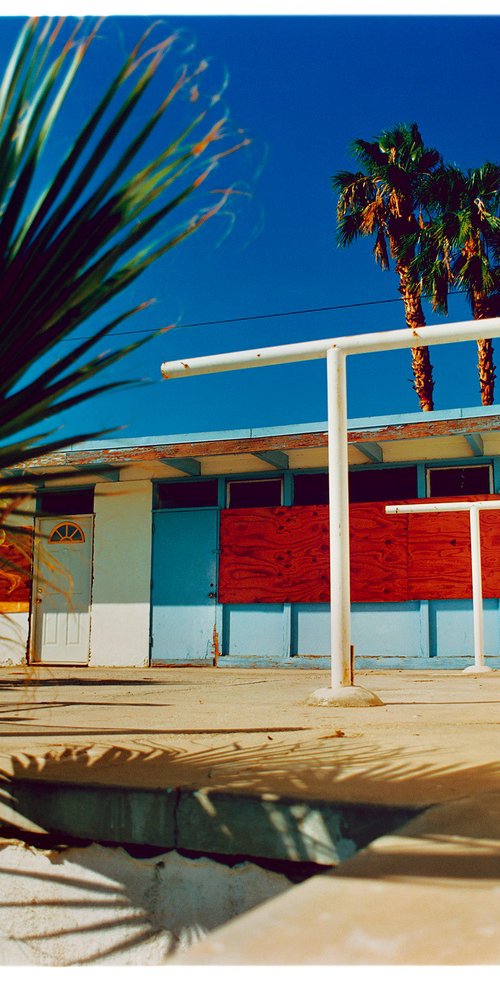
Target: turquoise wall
[{"x": 410, "y": 634}]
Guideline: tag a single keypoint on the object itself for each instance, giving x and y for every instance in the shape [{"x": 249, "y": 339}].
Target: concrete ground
[{"x": 426, "y": 894}]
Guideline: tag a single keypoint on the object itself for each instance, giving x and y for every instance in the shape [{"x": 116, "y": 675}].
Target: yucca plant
[
  {"x": 68, "y": 250},
  {"x": 88, "y": 235},
  {"x": 65, "y": 257}
]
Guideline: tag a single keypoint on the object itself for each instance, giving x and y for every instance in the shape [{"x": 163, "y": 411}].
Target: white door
[{"x": 61, "y": 598}]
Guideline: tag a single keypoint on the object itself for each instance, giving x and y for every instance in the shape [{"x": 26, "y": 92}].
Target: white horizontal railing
[
  {"x": 377, "y": 341},
  {"x": 425, "y": 507}
]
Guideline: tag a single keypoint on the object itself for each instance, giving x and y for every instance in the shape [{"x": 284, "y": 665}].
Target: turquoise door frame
[{"x": 184, "y": 610}]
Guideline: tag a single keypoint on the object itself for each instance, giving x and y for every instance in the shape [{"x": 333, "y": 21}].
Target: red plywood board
[
  {"x": 379, "y": 554},
  {"x": 274, "y": 555},
  {"x": 490, "y": 553},
  {"x": 282, "y": 554},
  {"x": 439, "y": 564},
  {"x": 15, "y": 571},
  {"x": 439, "y": 556}
]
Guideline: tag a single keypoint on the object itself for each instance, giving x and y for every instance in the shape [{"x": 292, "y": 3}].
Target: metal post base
[
  {"x": 344, "y": 697},
  {"x": 478, "y": 669}
]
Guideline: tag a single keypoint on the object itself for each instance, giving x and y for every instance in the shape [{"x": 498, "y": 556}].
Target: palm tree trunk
[
  {"x": 423, "y": 382},
  {"x": 486, "y": 370},
  {"x": 485, "y": 364}
]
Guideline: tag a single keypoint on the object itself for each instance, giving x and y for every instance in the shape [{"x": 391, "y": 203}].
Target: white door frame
[{"x": 35, "y": 648}]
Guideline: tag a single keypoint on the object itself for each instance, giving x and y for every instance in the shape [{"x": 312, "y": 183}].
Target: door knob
[{"x": 212, "y": 594}]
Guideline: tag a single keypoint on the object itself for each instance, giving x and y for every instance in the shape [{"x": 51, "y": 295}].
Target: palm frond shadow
[
  {"x": 331, "y": 768},
  {"x": 115, "y": 911},
  {"x": 28, "y": 680},
  {"x": 92, "y": 920}
]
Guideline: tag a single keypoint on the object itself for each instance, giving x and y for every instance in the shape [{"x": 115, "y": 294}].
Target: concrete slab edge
[
  {"x": 428, "y": 894},
  {"x": 201, "y": 820}
]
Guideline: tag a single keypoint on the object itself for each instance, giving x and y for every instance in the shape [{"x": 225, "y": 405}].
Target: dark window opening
[
  {"x": 259, "y": 492},
  {"x": 68, "y": 503},
  {"x": 383, "y": 485},
  {"x": 186, "y": 495},
  {"x": 469, "y": 480},
  {"x": 310, "y": 490}
]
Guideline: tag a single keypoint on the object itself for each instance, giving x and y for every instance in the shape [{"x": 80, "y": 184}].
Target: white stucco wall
[
  {"x": 14, "y": 626},
  {"x": 119, "y": 633},
  {"x": 98, "y": 905}
]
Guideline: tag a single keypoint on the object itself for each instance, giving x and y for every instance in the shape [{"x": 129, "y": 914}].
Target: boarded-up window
[
  {"x": 274, "y": 555},
  {"x": 15, "y": 570},
  {"x": 282, "y": 555}
]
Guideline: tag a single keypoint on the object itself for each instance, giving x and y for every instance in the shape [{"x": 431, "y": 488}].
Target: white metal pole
[
  {"x": 473, "y": 508},
  {"x": 377, "y": 341},
  {"x": 477, "y": 590},
  {"x": 342, "y": 691},
  {"x": 488, "y": 505},
  {"x": 340, "y": 594}
]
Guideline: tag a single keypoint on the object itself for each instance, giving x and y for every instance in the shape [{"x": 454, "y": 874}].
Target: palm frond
[
  {"x": 380, "y": 251},
  {"x": 348, "y": 230},
  {"x": 370, "y": 155},
  {"x": 69, "y": 250}
]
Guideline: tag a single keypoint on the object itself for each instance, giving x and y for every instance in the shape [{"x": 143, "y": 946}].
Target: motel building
[{"x": 212, "y": 549}]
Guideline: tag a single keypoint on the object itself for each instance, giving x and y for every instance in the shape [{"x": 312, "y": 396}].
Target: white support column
[
  {"x": 477, "y": 593},
  {"x": 341, "y": 690},
  {"x": 473, "y": 508},
  {"x": 340, "y": 587}
]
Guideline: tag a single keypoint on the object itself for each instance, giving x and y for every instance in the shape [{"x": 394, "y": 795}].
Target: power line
[{"x": 259, "y": 317}]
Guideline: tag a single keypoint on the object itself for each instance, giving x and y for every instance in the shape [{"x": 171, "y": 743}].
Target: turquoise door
[{"x": 184, "y": 589}]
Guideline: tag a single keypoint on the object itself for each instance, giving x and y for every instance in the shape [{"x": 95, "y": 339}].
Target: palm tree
[
  {"x": 68, "y": 252},
  {"x": 460, "y": 245},
  {"x": 383, "y": 201},
  {"x": 64, "y": 256},
  {"x": 71, "y": 244}
]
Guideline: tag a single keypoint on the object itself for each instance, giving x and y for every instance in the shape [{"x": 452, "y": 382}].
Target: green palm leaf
[{"x": 69, "y": 250}]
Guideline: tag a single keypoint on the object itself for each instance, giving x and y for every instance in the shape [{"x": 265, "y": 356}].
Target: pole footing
[
  {"x": 478, "y": 669},
  {"x": 344, "y": 696}
]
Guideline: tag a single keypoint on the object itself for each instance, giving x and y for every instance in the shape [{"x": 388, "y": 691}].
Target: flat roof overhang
[{"x": 369, "y": 439}]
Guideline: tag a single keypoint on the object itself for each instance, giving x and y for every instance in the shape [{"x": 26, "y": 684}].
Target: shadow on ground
[
  {"x": 332, "y": 767},
  {"x": 226, "y": 801}
]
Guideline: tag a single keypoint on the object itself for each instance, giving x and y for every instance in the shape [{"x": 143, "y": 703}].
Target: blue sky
[{"x": 302, "y": 88}]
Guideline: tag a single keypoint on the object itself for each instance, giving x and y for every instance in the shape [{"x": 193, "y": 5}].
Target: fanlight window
[{"x": 67, "y": 533}]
